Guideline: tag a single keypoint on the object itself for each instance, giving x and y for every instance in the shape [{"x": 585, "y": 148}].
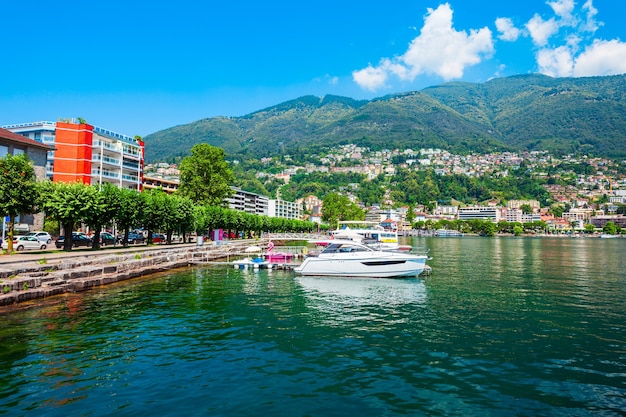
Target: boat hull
[{"x": 380, "y": 267}]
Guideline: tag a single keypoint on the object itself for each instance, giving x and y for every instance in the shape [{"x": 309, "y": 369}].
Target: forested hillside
[{"x": 530, "y": 112}]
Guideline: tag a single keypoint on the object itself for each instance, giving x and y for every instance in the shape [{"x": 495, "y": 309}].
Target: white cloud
[
  {"x": 370, "y": 78},
  {"x": 599, "y": 58},
  {"x": 566, "y": 44},
  {"x": 508, "y": 31},
  {"x": 602, "y": 58},
  {"x": 563, "y": 9},
  {"x": 590, "y": 25},
  {"x": 541, "y": 30},
  {"x": 556, "y": 62},
  {"x": 439, "y": 49}
]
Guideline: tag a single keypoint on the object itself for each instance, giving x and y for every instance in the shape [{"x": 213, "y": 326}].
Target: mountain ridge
[{"x": 522, "y": 112}]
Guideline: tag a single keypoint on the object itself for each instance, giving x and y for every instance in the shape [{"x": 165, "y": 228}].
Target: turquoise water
[{"x": 503, "y": 327}]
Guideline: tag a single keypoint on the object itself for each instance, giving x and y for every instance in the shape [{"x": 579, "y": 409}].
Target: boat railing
[{"x": 296, "y": 251}]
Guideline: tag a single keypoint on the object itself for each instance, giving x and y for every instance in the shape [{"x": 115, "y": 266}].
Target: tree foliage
[
  {"x": 338, "y": 207},
  {"x": 205, "y": 176},
  {"x": 18, "y": 190},
  {"x": 68, "y": 203},
  {"x": 106, "y": 201}
]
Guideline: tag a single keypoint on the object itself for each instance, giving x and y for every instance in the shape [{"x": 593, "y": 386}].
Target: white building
[
  {"x": 284, "y": 209},
  {"x": 480, "y": 213}
]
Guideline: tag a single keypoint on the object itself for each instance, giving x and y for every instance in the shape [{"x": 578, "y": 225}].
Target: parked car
[
  {"x": 133, "y": 238},
  {"x": 158, "y": 238},
  {"x": 25, "y": 243},
  {"x": 41, "y": 236},
  {"x": 106, "y": 238},
  {"x": 78, "y": 239}
]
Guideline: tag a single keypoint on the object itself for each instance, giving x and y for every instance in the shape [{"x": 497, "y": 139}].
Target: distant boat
[
  {"x": 607, "y": 236},
  {"x": 448, "y": 233},
  {"x": 252, "y": 263},
  {"x": 368, "y": 233}
]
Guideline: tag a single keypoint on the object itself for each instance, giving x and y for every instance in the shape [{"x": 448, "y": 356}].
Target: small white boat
[
  {"x": 253, "y": 263},
  {"x": 607, "y": 236},
  {"x": 448, "y": 233},
  {"x": 348, "y": 258}
]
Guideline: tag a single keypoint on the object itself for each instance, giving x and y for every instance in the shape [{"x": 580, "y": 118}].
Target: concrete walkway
[{"x": 20, "y": 260}]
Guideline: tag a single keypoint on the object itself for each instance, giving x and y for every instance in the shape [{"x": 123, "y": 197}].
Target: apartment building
[
  {"x": 14, "y": 144},
  {"x": 86, "y": 153},
  {"x": 248, "y": 202},
  {"x": 516, "y": 215},
  {"x": 285, "y": 209},
  {"x": 480, "y": 213}
]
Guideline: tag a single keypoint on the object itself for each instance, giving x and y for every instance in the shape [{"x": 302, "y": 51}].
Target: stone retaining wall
[{"x": 31, "y": 282}]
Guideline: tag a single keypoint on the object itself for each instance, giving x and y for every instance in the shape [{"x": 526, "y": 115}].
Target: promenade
[{"x": 27, "y": 276}]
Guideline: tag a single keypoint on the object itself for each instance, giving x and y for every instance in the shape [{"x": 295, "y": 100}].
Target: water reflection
[
  {"x": 372, "y": 300},
  {"x": 382, "y": 292},
  {"x": 502, "y": 327}
]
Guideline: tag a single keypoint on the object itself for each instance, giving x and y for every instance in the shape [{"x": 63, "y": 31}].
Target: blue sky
[{"x": 138, "y": 67}]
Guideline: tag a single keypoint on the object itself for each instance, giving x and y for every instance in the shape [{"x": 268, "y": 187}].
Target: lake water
[{"x": 502, "y": 327}]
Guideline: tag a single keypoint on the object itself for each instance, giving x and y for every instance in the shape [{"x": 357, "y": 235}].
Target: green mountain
[{"x": 528, "y": 112}]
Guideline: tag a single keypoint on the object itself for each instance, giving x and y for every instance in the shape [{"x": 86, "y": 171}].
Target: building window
[
  {"x": 4, "y": 151},
  {"x": 18, "y": 151}
]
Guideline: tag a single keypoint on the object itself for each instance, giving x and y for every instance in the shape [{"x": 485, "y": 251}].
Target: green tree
[
  {"x": 179, "y": 216},
  {"x": 526, "y": 209},
  {"x": 410, "y": 215},
  {"x": 337, "y": 207},
  {"x": 155, "y": 211},
  {"x": 557, "y": 210},
  {"x": 68, "y": 203},
  {"x": 18, "y": 190},
  {"x": 205, "y": 176},
  {"x": 105, "y": 205},
  {"x": 130, "y": 211},
  {"x": 609, "y": 228}
]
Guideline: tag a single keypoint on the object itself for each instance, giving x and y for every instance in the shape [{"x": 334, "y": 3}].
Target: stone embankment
[{"x": 28, "y": 280}]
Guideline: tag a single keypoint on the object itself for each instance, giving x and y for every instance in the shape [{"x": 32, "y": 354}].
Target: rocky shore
[{"x": 25, "y": 277}]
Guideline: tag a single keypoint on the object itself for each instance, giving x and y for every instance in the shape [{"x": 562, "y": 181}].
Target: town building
[
  {"x": 87, "y": 153},
  {"x": 285, "y": 209},
  {"x": 479, "y": 213},
  {"x": 516, "y": 204},
  {"x": 601, "y": 221},
  {"x": 169, "y": 185},
  {"x": 14, "y": 144},
  {"x": 518, "y": 216},
  {"x": 248, "y": 202},
  {"x": 578, "y": 215}
]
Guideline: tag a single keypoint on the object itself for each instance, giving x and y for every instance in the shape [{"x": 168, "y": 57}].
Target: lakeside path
[{"x": 28, "y": 276}]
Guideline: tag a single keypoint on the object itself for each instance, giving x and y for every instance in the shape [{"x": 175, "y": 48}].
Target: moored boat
[
  {"x": 448, "y": 233},
  {"x": 369, "y": 233},
  {"x": 353, "y": 259}
]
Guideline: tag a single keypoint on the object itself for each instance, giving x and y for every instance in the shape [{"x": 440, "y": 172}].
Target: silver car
[{"x": 41, "y": 236}]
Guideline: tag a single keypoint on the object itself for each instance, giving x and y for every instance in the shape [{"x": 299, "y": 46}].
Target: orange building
[{"x": 88, "y": 154}]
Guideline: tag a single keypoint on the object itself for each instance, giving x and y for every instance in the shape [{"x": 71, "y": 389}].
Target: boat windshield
[{"x": 345, "y": 247}]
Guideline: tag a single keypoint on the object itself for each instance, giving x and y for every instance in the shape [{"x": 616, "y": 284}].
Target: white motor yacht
[{"x": 348, "y": 258}]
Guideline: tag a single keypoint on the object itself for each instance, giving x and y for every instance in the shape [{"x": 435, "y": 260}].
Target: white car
[
  {"x": 41, "y": 236},
  {"x": 25, "y": 243}
]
